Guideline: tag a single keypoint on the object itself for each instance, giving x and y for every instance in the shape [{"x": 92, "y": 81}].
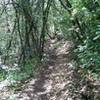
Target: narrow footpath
[{"x": 57, "y": 79}]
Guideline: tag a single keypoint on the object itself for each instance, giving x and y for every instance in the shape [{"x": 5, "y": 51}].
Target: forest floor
[{"x": 57, "y": 79}]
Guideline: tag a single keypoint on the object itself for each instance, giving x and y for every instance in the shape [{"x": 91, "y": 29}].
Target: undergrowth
[{"x": 26, "y": 70}]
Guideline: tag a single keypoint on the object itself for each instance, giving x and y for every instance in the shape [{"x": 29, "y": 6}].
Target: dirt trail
[
  {"x": 57, "y": 79},
  {"x": 53, "y": 76}
]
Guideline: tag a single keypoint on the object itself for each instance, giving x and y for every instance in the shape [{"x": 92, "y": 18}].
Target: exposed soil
[{"x": 57, "y": 79}]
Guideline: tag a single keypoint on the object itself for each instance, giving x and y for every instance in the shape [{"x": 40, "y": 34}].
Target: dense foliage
[{"x": 25, "y": 25}]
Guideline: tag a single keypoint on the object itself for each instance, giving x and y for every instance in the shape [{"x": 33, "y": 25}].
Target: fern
[{"x": 97, "y": 33}]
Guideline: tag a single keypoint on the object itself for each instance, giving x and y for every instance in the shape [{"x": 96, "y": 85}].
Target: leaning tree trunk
[{"x": 45, "y": 19}]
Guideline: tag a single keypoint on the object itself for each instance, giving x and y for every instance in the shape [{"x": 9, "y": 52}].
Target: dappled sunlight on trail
[{"x": 57, "y": 79}]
